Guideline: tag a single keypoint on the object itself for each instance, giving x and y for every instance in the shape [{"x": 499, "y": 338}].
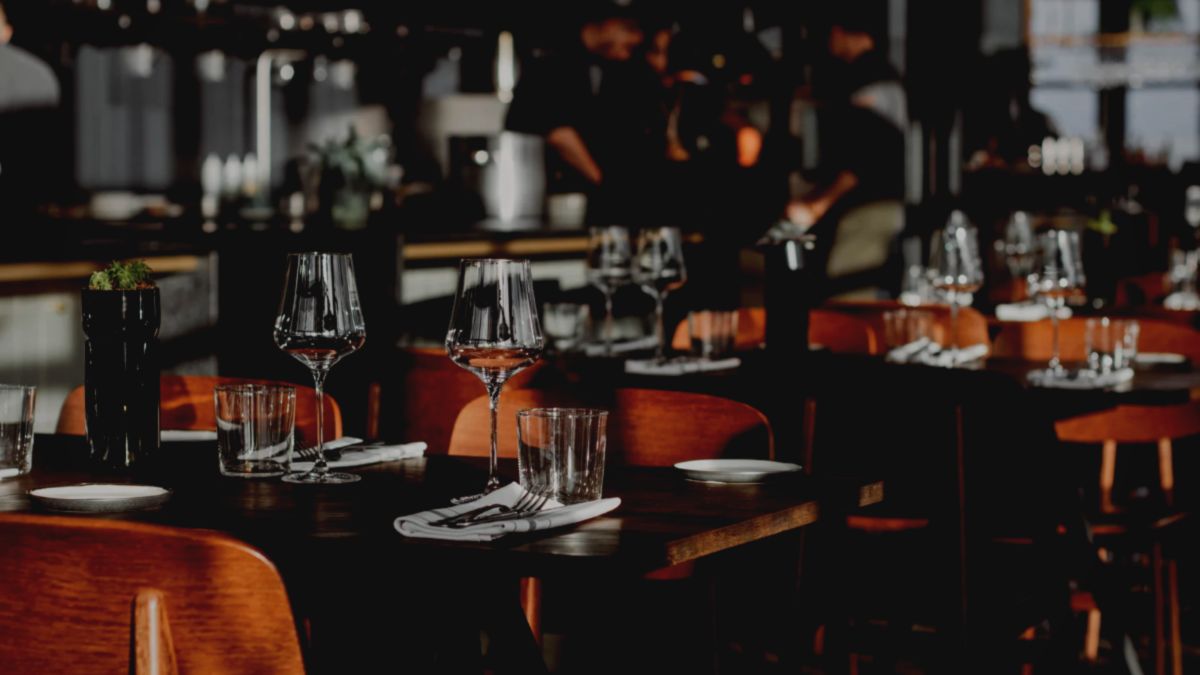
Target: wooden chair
[
  {"x": 86, "y": 595},
  {"x": 1160, "y": 426},
  {"x": 646, "y": 427},
  {"x": 434, "y": 390},
  {"x": 186, "y": 402},
  {"x": 1034, "y": 340},
  {"x": 835, "y": 331}
]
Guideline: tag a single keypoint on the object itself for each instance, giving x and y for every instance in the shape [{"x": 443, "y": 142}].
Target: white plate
[
  {"x": 172, "y": 435},
  {"x": 734, "y": 470},
  {"x": 99, "y": 497}
]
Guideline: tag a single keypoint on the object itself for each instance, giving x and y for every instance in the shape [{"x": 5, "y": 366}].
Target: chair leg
[
  {"x": 1091, "y": 641},
  {"x": 1108, "y": 474},
  {"x": 531, "y": 604},
  {"x": 1173, "y": 602},
  {"x": 1160, "y": 646},
  {"x": 1166, "y": 470}
]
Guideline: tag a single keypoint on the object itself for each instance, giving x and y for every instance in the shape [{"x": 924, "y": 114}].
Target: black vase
[{"x": 121, "y": 373}]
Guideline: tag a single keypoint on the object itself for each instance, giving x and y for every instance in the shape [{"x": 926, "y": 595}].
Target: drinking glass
[
  {"x": 713, "y": 334},
  {"x": 658, "y": 267},
  {"x": 1019, "y": 247},
  {"x": 255, "y": 428},
  {"x": 1060, "y": 274},
  {"x": 16, "y": 429},
  {"x": 320, "y": 322},
  {"x": 560, "y": 452},
  {"x": 609, "y": 266},
  {"x": 906, "y": 326},
  {"x": 1110, "y": 345},
  {"x": 564, "y": 323},
  {"x": 494, "y": 331},
  {"x": 958, "y": 268}
]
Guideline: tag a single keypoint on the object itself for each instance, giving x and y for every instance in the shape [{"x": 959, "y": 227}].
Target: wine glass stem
[
  {"x": 659, "y": 332},
  {"x": 320, "y": 468},
  {"x": 608, "y": 323},
  {"x": 953, "y": 328},
  {"x": 493, "y": 481},
  {"x": 1055, "y": 363}
]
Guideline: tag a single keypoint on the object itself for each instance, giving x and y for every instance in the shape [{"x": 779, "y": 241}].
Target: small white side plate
[
  {"x": 100, "y": 498},
  {"x": 734, "y": 470}
]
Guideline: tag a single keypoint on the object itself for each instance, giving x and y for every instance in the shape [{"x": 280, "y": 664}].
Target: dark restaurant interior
[{"x": 745, "y": 336}]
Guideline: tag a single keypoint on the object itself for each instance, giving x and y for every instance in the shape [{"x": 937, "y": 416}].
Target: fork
[
  {"x": 526, "y": 501},
  {"x": 512, "y": 514}
]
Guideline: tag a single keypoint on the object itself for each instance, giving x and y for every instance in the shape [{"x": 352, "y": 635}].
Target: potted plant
[
  {"x": 121, "y": 391},
  {"x": 350, "y": 171}
]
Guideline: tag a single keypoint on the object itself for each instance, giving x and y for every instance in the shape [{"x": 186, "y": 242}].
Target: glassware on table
[
  {"x": 712, "y": 333},
  {"x": 1184, "y": 265},
  {"x": 958, "y": 268},
  {"x": 255, "y": 429},
  {"x": 320, "y": 322},
  {"x": 609, "y": 266},
  {"x": 1019, "y": 248},
  {"x": 907, "y": 326},
  {"x": 560, "y": 452},
  {"x": 1060, "y": 275},
  {"x": 16, "y": 429},
  {"x": 1110, "y": 345},
  {"x": 494, "y": 330},
  {"x": 565, "y": 323},
  {"x": 658, "y": 267}
]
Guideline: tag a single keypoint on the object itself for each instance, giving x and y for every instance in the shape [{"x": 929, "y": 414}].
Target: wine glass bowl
[
  {"x": 319, "y": 323},
  {"x": 658, "y": 268},
  {"x": 1059, "y": 275},
  {"x": 609, "y": 267},
  {"x": 494, "y": 330},
  {"x": 957, "y": 267}
]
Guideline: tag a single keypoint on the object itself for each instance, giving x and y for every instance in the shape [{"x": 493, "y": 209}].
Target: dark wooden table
[{"x": 318, "y": 534}]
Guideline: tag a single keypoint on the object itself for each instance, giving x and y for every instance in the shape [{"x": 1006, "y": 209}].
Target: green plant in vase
[{"x": 351, "y": 170}]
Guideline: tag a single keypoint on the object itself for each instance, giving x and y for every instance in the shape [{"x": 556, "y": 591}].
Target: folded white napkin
[
  {"x": 1149, "y": 358},
  {"x": 1028, "y": 312},
  {"x": 1083, "y": 379},
  {"x": 551, "y": 516},
  {"x": 172, "y": 435},
  {"x": 929, "y": 353},
  {"x": 364, "y": 456},
  {"x": 905, "y": 353},
  {"x": 680, "y": 366},
  {"x": 622, "y": 347}
]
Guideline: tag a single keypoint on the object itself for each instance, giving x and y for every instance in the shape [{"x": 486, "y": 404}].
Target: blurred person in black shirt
[
  {"x": 597, "y": 107},
  {"x": 856, "y": 207},
  {"x": 28, "y": 91}
]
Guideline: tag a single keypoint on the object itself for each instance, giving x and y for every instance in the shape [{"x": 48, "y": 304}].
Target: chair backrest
[
  {"x": 838, "y": 332},
  {"x": 85, "y": 595},
  {"x": 972, "y": 324},
  {"x": 1034, "y": 340},
  {"x": 186, "y": 402},
  {"x": 433, "y": 391},
  {"x": 1133, "y": 424},
  {"x": 646, "y": 427}
]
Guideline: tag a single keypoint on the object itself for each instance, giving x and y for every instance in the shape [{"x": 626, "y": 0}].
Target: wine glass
[
  {"x": 320, "y": 321},
  {"x": 1019, "y": 247},
  {"x": 1060, "y": 275},
  {"x": 609, "y": 262},
  {"x": 958, "y": 268},
  {"x": 494, "y": 331},
  {"x": 658, "y": 267}
]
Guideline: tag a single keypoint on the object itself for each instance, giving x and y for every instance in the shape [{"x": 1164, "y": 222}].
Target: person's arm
[
  {"x": 567, "y": 142},
  {"x": 807, "y": 210}
]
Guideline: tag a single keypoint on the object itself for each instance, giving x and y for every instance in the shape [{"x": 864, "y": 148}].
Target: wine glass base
[{"x": 310, "y": 478}]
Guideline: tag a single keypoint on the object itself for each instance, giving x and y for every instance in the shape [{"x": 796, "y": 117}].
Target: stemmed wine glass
[
  {"x": 320, "y": 321},
  {"x": 609, "y": 262},
  {"x": 1060, "y": 275},
  {"x": 958, "y": 268},
  {"x": 658, "y": 267},
  {"x": 494, "y": 331},
  {"x": 1019, "y": 247}
]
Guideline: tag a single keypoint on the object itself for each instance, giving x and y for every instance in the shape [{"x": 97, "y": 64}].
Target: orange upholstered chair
[{"x": 836, "y": 331}]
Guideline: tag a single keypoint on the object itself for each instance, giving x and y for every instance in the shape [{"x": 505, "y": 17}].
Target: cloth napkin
[
  {"x": 1080, "y": 380},
  {"x": 622, "y": 347},
  {"x": 905, "y": 353},
  {"x": 551, "y": 515},
  {"x": 1028, "y": 312},
  {"x": 171, "y": 435},
  {"x": 364, "y": 456},
  {"x": 1151, "y": 358},
  {"x": 929, "y": 353},
  {"x": 680, "y": 366}
]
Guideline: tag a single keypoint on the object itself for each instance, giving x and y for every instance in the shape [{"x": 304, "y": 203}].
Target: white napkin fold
[
  {"x": 1080, "y": 380},
  {"x": 551, "y": 516},
  {"x": 364, "y": 456},
  {"x": 926, "y": 352},
  {"x": 1028, "y": 312},
  {"x": 1150, "y": 358},
  {"x": 904, "y": 353},
  {"x": 172, "y": 435},
  {"x": 622, "y": 347},
  {"x": 679, "y": 366}
]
